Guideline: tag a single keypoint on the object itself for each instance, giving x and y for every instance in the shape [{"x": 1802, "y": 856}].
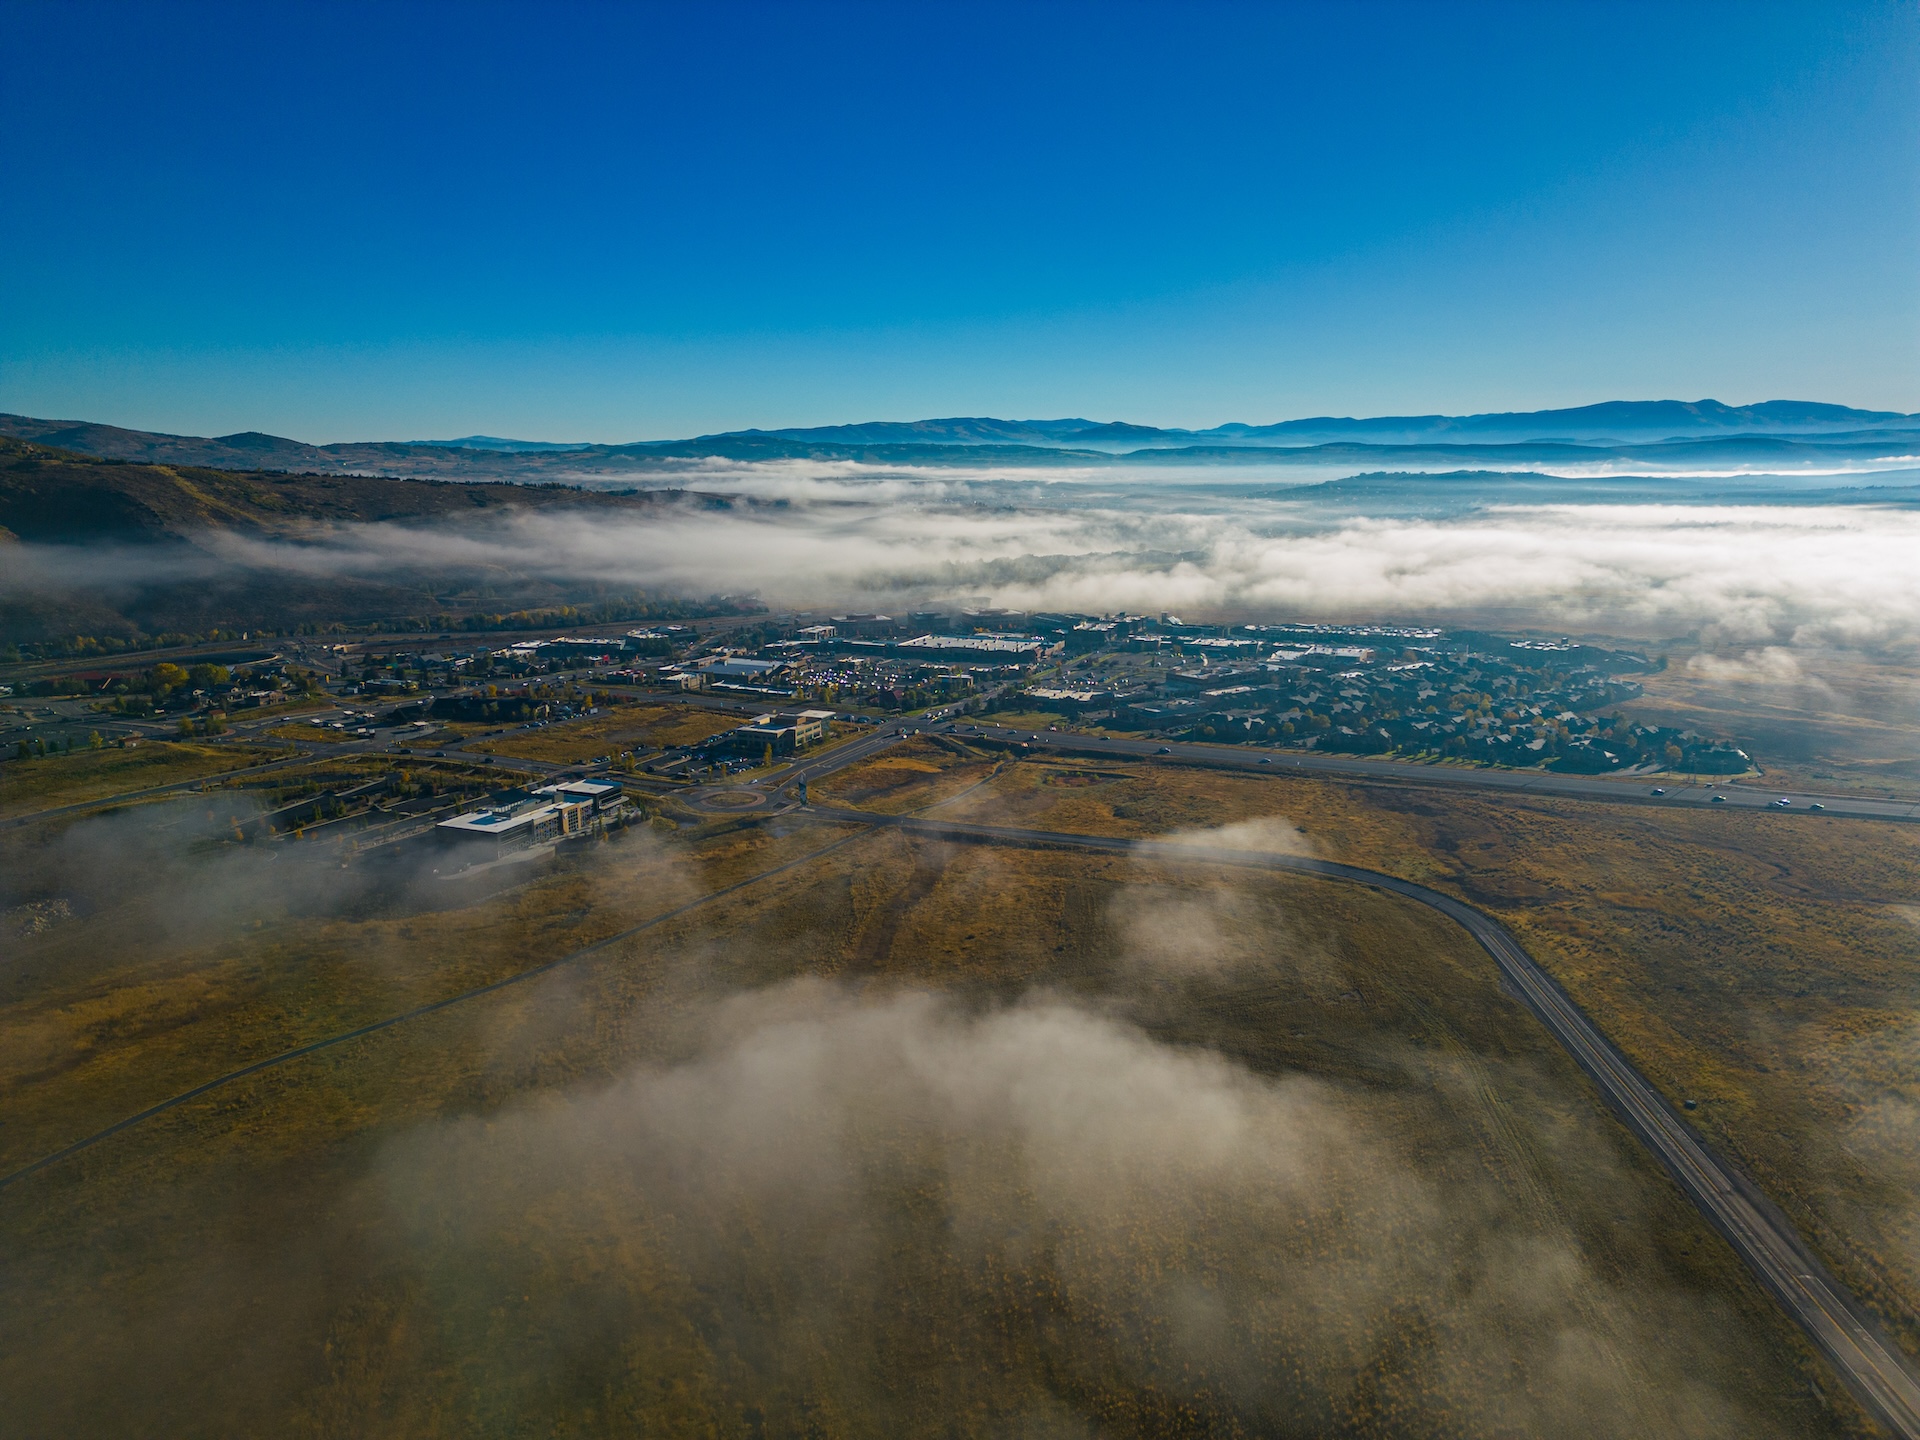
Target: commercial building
[
  {"x": 784, "y": 733},
  {"x": 994, "y": 649},
  {"x": 648, "y": 642},
  {"x": 732, "y": 672},
  {"x": 602, "y": 796},
  {"x": 735, "y": 667},
  {"x": 864, "y": 626},
  {"x": 1068, "y": 701},
  {"x": 1093, "y": 635},
  {"x": 509, "y": 825}
]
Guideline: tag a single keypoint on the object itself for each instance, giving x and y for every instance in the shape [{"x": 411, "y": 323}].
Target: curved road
[
  {"x": 1877, "y": 1372},
  {"x": 1872, "y": 1367}
]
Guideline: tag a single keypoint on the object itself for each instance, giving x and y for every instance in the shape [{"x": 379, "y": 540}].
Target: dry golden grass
[
  {"x": 51, "y": 781},
  {"x": 445, "y": 1228},
  {"x": 624, "y": 727},
  {"x": 1761, "y": 965},
  {"x": 1820, "y": 720},
  {"x": 922, "y": 771},
  {"x": 300, "y": 732}
]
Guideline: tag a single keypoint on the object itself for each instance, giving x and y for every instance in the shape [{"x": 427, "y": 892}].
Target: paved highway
[
  {"x": 1874, "y": 1369},
  {"x": 1871, "y": 1366},
  {"x": 1687, "y": 794}
]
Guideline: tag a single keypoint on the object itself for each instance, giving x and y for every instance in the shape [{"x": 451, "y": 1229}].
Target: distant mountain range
[
  {"x": 1659, "y": 434},
  {"x": 1612, "y": 422},
  {"x": 494, "y": 442}
]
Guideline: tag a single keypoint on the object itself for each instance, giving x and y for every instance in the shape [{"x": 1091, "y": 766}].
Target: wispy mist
[
  {"x": 1745, "y": 574},
  {"x": 1220, "y": 1237}
]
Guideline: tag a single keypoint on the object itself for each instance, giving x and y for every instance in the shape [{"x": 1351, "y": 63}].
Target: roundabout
[{"x": 731, "y": 799}]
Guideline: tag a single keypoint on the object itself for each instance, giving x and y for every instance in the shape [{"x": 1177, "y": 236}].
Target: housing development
[{"x": 1361, "y": 690}]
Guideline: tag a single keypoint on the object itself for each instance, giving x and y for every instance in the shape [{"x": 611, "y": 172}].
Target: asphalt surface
[
  {"x": 1634, "y": 790},
  {"x": 1876, "y": 1371},
  {"x": 1871, "y": 1366}
]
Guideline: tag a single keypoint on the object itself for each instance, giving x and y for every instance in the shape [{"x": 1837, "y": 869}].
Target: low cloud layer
[
  {"x": 1259, "y": 1246},
  {"x": 1745, "y": 575}
]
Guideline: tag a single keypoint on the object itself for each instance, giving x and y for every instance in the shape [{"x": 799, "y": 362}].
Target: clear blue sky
[{"x": 614, "y": 222}]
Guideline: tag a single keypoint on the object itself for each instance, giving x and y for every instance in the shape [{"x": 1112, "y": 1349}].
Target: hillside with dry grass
[{"x": 908, "y": 1139}]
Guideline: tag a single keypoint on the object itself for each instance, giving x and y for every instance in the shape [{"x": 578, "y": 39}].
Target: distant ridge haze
[
  {"x": 1622, "y": 421},
  {"x": 1665, "y": 433}
]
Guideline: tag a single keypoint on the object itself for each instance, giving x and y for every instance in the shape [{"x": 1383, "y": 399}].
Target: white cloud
[{"x": 1743, "y": 575}]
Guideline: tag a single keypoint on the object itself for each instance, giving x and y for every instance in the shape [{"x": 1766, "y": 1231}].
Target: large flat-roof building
[
  {"x": 737, "y": 667},
  {"x": 600, "y": 795},
  {"x": 733, "y": 672},
  {"x": 865, "y": 626},
  {"x": 1068, "y": 700},
  {"x": 999, "y": 649},
  {"x": 513, "y": 825},
  {"x": 784, "y": 733}
]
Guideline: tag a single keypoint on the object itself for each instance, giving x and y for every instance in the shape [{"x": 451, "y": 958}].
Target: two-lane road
[
  {"x": 1872, "y": 1366},
  {"x": 1639, "y": 790}
]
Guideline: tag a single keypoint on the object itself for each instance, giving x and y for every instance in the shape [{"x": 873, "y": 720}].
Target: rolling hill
[
  {"x": 100, "y": 555},
  {"x": 1661, "y": 433}
]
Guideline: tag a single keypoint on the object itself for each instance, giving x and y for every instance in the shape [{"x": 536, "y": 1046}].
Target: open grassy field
[
  {"x": 1763, "y": 966},
  {"x": 926, "y": 770},
  {"x": 51, "y": 781},
  {"x": 907, "y": 1140},
  {"x": 1821, "y": 720},
  {"x": 1026, "y": 719},
  {"x": 300, "y": 732},
  {"x": 625, "y": 727}
]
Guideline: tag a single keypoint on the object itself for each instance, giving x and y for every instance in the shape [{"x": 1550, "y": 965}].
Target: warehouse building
[
  {"x": 995, "y": 649},
  {"x": 732, "y": 672}
]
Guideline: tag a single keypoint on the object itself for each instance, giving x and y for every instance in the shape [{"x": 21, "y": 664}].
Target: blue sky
[{"x": 616, "y": 222}]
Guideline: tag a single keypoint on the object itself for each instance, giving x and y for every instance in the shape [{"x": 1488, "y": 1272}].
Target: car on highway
[
  {"x": 1716, "y": 800},
  {"x": 1266, "y": 759},
  {"x": 1163, "y": 750},
  {"x": 1783, "y": 803},
  {"x": 1816, "y": 805},
  {"x": 1657, "y": 790}
]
